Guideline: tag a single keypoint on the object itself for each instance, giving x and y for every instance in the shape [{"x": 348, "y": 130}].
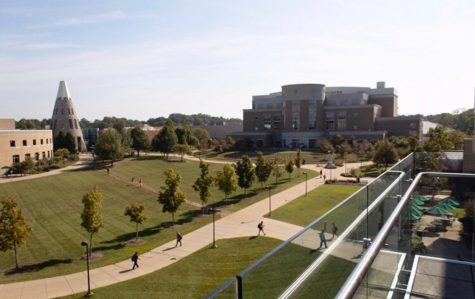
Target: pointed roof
[{"x": 63, "y": 91}]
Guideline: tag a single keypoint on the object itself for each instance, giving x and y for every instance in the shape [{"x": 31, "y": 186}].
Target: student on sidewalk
[
  {"x": 260, "y": 227},
  {"x": 323, "y": 240},
  {"x": 321, "y": 173},
  {"x": 334, "y": 230},
  {"x": 135, "y": 259},
  {"x": 179, "y": 237}
]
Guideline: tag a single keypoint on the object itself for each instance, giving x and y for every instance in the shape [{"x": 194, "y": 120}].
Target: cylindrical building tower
[{"x": 65, "y": 118}]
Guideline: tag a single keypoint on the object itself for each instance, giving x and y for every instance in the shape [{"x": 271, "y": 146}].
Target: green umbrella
[
  {"x": 415, "y": 214},
  {"x": 438, "y": 210},
  {"x": 450, "y": 201},
  {"x": 421, "y": 198},
  {"x": 418, "y": 201}
]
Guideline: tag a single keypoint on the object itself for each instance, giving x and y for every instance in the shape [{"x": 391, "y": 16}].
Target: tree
[
  {"x": 289, "y": 167},
  {"x": 263, "y": 168},
  {"x": 14, "y": 230},
  {"x": 325, "y": 145},
  {"x": 109, "y": 146},
  {"x": 135, "y": 213},
  {"x": 182, "y": 149},
  {"x": 139, "y": 140},
  {"x": 166, "y": 139},
  {"x": 245, "y": 173},
  {"x": 183, "y": 134},
  {"x": 203, "y": 183},
  {"x": 438, "y": 141},
  {"x": 457, "y": 138},
  {"x": 203, "y": 136},
  {"x": 298, "y": 161},
  {"x": 91, "y": 216},
  {"x": 170, "y": 196},
  {"x": 226, "y": 180},
  {"x": 70, "y": 143},
  {"x": 385, "y": 153},
  {"x": 277, "y": 170}
]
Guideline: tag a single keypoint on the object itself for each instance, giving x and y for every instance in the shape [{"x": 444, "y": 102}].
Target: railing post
[{"x": 239, "y": 287}]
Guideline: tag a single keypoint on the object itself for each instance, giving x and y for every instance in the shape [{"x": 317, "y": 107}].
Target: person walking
[
  {"x": 366, "y": 242},
  {"x": 135, "y": 259},
  {"x": 107, "y": 169},
  {"x": 260, "y": 227},
  {"x": 334, "y": 230},
  {"x": 140, "y": 183},
  {"x": 321, "y": 173},
  {"x": 325, "y": 178},
  {"x": 323, "y": 240},
  {"x": 179, "y": 237},
  {"x": 133, "y": 179}
]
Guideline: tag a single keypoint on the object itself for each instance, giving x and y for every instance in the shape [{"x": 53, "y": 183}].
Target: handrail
[
  {"x": 354, "y": 280},
  {"x": 221, "y": 288},
  {"x": 295, "y": 285}
]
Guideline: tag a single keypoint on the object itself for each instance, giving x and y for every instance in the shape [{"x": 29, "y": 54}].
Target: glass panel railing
[{"x": 225, "y": 291}]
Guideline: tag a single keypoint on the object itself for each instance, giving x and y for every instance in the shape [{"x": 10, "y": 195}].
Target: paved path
[
  {"x": 84, "y": 160},
  {"x": 239, "y": 224}
]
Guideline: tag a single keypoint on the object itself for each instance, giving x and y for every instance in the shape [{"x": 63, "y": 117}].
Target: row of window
[
  {"x": 73, "y": 124},
  {"x": 25, "y": 142},
  {"x": 70, "y": 111},
  {"x": 44, "y": 155}
]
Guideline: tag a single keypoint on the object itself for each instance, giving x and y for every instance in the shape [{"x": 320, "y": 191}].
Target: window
[
  {"x": 46, "y": 140},
  {"x": 25, "y": 143},
  {"x": 71, "y": 124},
  {"x": 295, "y": 115},
  {"x": 34, "y": 141},
  {"x": 76, "y": 124},
  {"x": 330, "y": 125},
  {"x": 341, "y": 120},
  {"x": 27, "y": 156},
  {"x": 12, "y": 143},
  {"x": 312, "y": 115},
  {"x": 43, "y": 155},
  {"x": 37, "y": 156},
  {"x": 16, "y": 158},
  {"x": 49, "y": 155},
  {"x": 267, "y": 122},
  {"x": 41, "y": 141}
]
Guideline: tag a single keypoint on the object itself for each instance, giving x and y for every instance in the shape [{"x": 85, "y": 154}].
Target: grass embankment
[
  {"x": 52, "y": 206},
  {"x": 304, "y": 210},
  {"x": 200, "y": 273}
]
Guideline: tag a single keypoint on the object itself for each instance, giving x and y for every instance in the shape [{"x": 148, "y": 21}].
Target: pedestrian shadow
[
  {"x": 253, "y": 237},
  {"x": 125, "y": 271},
  {"x": 169, "y": 248}
]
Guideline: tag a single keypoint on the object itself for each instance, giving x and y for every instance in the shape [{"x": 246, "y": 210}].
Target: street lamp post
[
  {"x": 89, "y": 293},
  {"x": 306, "y": 176},
  {"x": 270, "y": 204}
]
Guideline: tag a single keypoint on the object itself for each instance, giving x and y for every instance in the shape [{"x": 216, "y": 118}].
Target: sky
[{"x": 145, "y": 59}]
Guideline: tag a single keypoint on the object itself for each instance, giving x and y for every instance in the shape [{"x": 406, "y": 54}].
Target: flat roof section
[{"x": 433, "y": 277}]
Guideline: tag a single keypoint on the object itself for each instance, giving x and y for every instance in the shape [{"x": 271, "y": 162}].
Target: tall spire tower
[{"x": 64, "y": 117}]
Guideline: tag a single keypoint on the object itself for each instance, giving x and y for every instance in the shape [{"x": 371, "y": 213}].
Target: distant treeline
[
  {"x": 462, "y": 121},
  {"x": 112, "y": 122}
]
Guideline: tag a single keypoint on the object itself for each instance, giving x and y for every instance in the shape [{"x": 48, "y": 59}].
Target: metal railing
[{"x": 353, "y": 282}]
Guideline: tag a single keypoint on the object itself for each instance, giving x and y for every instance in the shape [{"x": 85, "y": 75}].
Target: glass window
[
  {"x": 25, "y": 143},
  {"x": 71, "y": 124},
  {"x": 341, "y": 120},
  {"x": 27, "y": 156},
  {"x": 12, "y": 143},
  {"x": 34, "y": 141},
  {"x": 330, "y": 125},
  {"x": 16, "y": 158},
  {"x": 41, "y": 141},
  {"x": 43, "y": 155},
  {"x": 37, "y": 156}
]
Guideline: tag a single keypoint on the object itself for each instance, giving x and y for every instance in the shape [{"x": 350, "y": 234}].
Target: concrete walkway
[
  {"x": 239, "y": 224},
  {"x": 84, "y": 161}
]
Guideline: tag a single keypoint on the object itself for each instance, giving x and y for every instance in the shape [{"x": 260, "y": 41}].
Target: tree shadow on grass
[
  {"x": 234, "y": 199},
  {"x": 37, "y": 267},
  {"x": 110, "y": 247}
]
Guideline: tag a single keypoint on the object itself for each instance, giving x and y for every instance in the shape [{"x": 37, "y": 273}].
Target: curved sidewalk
[{"x": 239, "y": 224}]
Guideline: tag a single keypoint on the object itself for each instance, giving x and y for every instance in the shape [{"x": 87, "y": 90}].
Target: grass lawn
[
  {"x": 194, "y": 276},
  {"x": 52, "y": 207},
  {"x": 304, "y": 210},
  {"x": 200, "y": 273},
  {"x": 150, "y": 170}
]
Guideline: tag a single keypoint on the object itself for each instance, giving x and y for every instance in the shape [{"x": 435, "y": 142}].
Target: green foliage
[
  {"x": 277, "y": 171},
  {"x": 140, "y": 140},
  {"x": 203, "y": 183},
  {"x": 170, "y": 196},
  {"x": 289, "y": 167},
  {"x": 182, "y": 149},
  {"x": 66, "y": 141},
  {"x": 62, "y": 153},
  {"x": 166, "y": 139},
  {"x": 245, "y": 173},
  {"x": 456, "y": 138},
  {"x": 135, "y": 213},
  {"x": 14, "y": 230},
  {"x": 202, "y": 136},
  {"x": 226, "y": 180},
  {"x": 184, "y": 135},
  {"x": 192, "y": 120},
  {"x": 438, "y": 141},
  {"x": 385, "y": 153},
  {"x": 263, "y": 168},
  {"x": 325, "y": 145},
  {"x": 365, "y": 149},
  {"x": 91, "y": 216},
  {"x": 109, "y": 146},
  {"x": 462, "y": 121}
]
